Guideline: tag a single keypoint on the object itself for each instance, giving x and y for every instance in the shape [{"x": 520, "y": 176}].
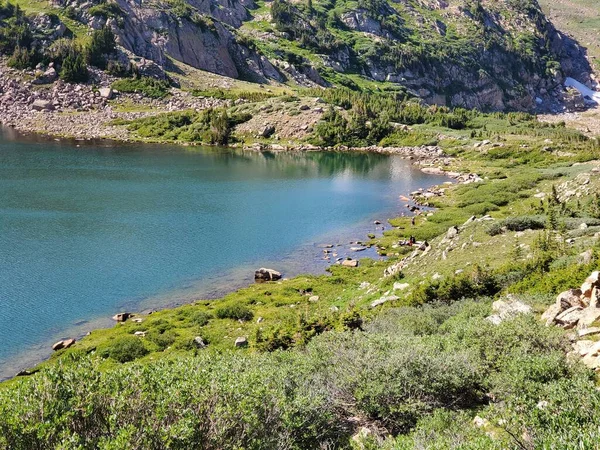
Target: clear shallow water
[{"x": 88, "y": 231}]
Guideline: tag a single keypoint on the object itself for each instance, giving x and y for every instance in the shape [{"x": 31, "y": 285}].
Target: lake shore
[{"x": 306, "y": 259}]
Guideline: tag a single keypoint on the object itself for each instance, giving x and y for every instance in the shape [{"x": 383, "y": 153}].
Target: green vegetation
[
  {"x": 74, "y": 69},
  {"x": 416, "y": 371},
  {"x": 251, "y": 96},
  {"x": 211, "y": 126},
  {"x": 150, "y": 87},
  {"x": 322, "y": 361},
  {"x": 407, "y": 369},
  {"x": 102, "y": 45}
]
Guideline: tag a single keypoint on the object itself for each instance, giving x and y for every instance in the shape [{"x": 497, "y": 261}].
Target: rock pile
[
  {"x": 576, "y": 308},
  {"x": 579, "y": 309},
  {"x": 40, "y": 105}
]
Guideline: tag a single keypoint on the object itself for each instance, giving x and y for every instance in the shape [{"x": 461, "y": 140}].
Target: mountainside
[
  {"x": 476, "y": 54},
  {"x": 579, "y": 19}
]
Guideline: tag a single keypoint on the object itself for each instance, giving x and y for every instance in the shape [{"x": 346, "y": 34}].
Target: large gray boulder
[
  {"x": 508, "y": 309},
  {"x": 262, "y": 275},
  {"x": 42, "y": 105},
  {"x": 66, "y": 343}
]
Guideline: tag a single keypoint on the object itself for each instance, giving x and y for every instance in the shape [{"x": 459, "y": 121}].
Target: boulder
[
  {"x": 586, "y": 257},
  {"x": 590, "y": 283},
  {"x": 241, "y": 342},
  {"x": 106, "y": 93},
  {"x": 262, "y": 275},
  {"x": 314, "y": 299},
  {"x": 550, "y": 314},
  {"x": 393, "y": 270},
  {"x": 42, "y": 105},
  {"x": 570, "y": 298},
  {"x": 594, "y": 298},
  {"x": 452, "y": 233},
  {"x": 66, "y": 343},
  {"x": 588, "y": 317},
  {"x": 350, "y": 263},
  {"x": 569, "y": 318},
  {"x": 590, "y": 331},
  {"x": 122, "y": 317},
  {"x": 401, "y": 286},
  {"x": 583, "y": 347},
  {"x": 49, "y": 76},
  {"x": 199, "y": 342},
  {"x": 267, "y": 131},
  {"x": 591, "y": 359},
  {"x": 511, "y": 307},
  {"x": 382, "y": 300}
]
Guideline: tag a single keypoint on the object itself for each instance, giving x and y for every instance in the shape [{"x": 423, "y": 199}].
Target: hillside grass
[{"x": 415, "y": 371}]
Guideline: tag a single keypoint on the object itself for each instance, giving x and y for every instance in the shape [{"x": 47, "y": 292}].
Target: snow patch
[{"x": 587, "y": 93}]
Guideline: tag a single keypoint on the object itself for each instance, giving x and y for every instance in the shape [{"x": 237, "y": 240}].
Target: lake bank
[{"x": 116, "y": 190}]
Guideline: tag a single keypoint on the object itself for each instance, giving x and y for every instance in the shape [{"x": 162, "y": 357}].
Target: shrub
[
  {"x": 150, "y": 87},
  {"x": 102, "y": 44},
  {"x": 234, "y": 311},
  {"x": 200, "y": 318},
  {"x": 127, "y": 348},
  {"x": 74, "y": 69},
  {"x": 479, "y": 283},
  {"x": 105, "y": 10},
  {"x": 22, "y": 58},
  {"x": 161, "y": 340},
  {"x": 519, "y": 223}
]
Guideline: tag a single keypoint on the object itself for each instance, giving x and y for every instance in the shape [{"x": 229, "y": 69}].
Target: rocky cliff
[{"x": 470, "y": 53}]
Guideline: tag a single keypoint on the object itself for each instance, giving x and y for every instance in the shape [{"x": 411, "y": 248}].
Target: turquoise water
[{"x": 87, "y": 231}]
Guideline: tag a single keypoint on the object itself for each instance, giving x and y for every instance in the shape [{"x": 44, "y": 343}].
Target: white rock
[{"x": 401, "y": 286}]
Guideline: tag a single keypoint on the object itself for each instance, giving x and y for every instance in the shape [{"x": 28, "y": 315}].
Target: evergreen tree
[
  {"x": 74, "y": 69},
  {"x": 22, "y": 58},
  {"x": 101, "y": 46}
]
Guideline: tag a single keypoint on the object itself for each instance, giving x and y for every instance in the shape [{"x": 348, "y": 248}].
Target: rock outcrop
[{"x": 579, "y": 309}]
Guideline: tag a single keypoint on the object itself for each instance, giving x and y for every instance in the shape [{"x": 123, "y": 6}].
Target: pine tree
[
  {"x": 74, "y": 69},
  {"x": 101, "y": 46}
]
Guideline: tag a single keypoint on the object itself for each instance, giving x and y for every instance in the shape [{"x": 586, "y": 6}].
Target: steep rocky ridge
[{"x": 464, "y": 53}]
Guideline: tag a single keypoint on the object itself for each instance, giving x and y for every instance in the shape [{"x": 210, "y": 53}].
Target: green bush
[
  {"x": 101, "y": 46},
  {"x": 150, "y": 87},
  {"x": 161, "y": 340},
  {"x": 250, "y": 96},
  {"x": 212, "y": 126},
  {"x": 200, "y": 318},
  {"x": 74, "y": 69},
  {"x": 105, "y": 10},
  {"x": 519, "y": 223},
  {"x": 234, "y": 311},
  {"x": 127, "y": 348},
  {"x": 22, "y": 58},
  {"x": 479, "y": 283},
  {"x": 417, "y": 374}
]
